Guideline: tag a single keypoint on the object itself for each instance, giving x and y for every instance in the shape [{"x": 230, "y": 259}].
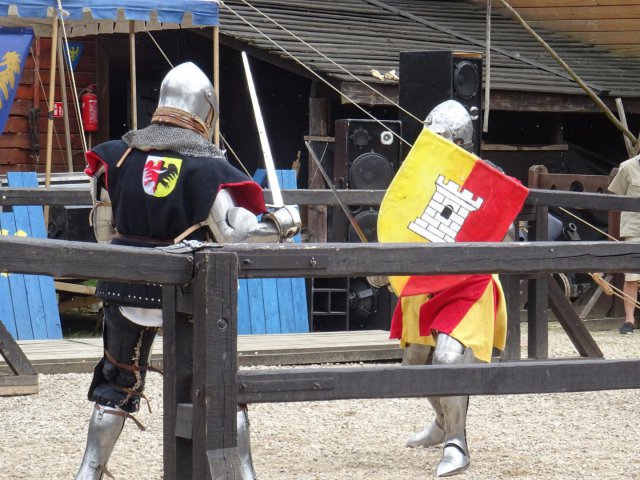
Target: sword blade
[{"x": 264, "y": 141}]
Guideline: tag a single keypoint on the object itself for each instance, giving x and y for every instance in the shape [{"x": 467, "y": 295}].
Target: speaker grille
[
  {"x": 466, "y": 80},
  {"x": 368, "y": 221},
  {"x": 370, "y": 171}
]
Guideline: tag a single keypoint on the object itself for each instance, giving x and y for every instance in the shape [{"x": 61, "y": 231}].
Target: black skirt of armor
[{"x": 118, "y": 379}]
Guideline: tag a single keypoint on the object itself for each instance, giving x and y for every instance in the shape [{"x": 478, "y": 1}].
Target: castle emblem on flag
[{"x": 446, "y": 212}]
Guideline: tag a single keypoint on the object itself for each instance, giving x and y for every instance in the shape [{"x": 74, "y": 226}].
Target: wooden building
[
  {"x": 613, "y": 25},
  {"x": 532, "y": 102},
  {"x": 22, "y": 144},
  {"x": 308, "y": 56}
]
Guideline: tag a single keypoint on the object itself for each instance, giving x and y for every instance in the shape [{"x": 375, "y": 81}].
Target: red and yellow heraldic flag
[{"x": 442, "y": 193}]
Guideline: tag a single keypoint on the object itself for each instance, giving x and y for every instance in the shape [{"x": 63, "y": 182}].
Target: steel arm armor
[{"x": 232, "y": 224}]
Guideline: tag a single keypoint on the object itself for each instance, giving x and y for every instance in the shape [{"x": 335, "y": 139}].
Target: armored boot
[
  {"x": 455, "y": 454},
  {"x": 104, "y": 429},
  {"x": 433, "y": 434},
  {"x": 244, "y": 445}
]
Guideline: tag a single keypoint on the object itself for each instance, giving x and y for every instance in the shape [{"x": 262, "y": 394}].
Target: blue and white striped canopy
[{"x": 108, "y": 16}]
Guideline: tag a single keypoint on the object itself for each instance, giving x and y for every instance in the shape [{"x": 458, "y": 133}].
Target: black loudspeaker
[
  {"x": 366, "y": 157},
  {"x": 429, "y": 78}
]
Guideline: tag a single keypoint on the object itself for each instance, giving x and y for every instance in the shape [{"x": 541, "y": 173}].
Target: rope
[
  {"x": 44, "y": 94},
  {"x": 588, "y": 224},
  {"x": 221, "y": 136},
  {"x": 625, "y": 131},
  {"x": 159, "y": 48},
  {"x": 565, "y": 284},
  {"x": 233, "y": 152},
  {"x": 606, "y": 286},
  {"x": 358, "y": 79},
  {"x": 314, "y": 73},
  {"x": 613, "y": 290},
  {"x": 74, "y": 89}
]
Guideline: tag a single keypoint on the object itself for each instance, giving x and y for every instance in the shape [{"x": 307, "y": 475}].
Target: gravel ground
[{"x": 558, "y": 436}]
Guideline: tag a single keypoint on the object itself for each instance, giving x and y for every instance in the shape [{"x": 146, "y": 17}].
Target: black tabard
[{"x": 155, "y": 197}]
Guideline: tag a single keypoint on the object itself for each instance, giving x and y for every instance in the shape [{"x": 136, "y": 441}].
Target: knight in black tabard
[{"x": 156, "y": 187}]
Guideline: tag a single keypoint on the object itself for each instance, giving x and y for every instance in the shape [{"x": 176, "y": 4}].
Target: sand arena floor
[{"x": 557, "y": 436}]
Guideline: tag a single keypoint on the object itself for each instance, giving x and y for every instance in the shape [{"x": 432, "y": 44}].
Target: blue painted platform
[
  {"x": 28, "y": 303},
  {"x": 270, "y": 305}
]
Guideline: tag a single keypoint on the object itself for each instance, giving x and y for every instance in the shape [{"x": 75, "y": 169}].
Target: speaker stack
[
  {"x": 366, "y": 156},
  {"x": 428, "y": 78}
]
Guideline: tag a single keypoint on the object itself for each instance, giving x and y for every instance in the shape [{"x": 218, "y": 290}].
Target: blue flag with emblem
[{"x": 14, "y": 48}]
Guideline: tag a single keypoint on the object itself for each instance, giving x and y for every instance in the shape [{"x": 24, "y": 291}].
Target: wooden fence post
[
  {"x": 538, "y": 299},
  {"x": 177, "y": 346},
  {"x": 215, "y": 352}
]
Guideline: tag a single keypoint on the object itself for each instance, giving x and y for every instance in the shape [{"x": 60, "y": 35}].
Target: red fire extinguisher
[{"x": 89, "y": 101}]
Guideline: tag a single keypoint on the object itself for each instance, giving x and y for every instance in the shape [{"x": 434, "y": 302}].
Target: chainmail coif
[{"x": 172, "y": 139}]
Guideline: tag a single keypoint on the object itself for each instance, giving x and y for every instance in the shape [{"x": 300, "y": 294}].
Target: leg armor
[
  {"x": 118, "y": 379},
  {"x": 104, "y": 429},
  {"x": 433, "y": 433},
  {"x": 455, "y": 455},
  {"x": 244, "y": 445}
]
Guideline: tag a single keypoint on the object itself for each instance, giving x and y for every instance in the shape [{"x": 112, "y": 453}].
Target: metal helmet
[
  {"x": 187, "y": 88},
  {"x": 453, "y": 122}
]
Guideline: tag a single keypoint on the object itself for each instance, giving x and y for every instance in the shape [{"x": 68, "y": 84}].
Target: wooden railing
[{"x": 202, "y": 384}]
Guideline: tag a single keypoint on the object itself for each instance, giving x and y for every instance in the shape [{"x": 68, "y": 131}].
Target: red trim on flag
[
  {"x": 395, "y": 331},
  {"x": 247, "y": 195},
  {"x": 503, "y": 197},
  {"x": 446, "y": 309},
  {"x": 421, "y": 284}
]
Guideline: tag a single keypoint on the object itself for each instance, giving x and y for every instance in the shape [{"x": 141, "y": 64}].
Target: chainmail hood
[{"x": 178, "y": 140}]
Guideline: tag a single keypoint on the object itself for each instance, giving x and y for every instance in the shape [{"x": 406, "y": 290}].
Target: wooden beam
[
  {"x": 61, "y": 258},
  {"x": 547, "y": 102},
  {"x": 551, "y": 198},
  {"x": 45, "y": 196},
  {"x": 353, "y": 259},
  {"x": 572, "y": 324},
  {"x": 215, "y": 355},
  {"x": 18, "y": 385},
  {"x": 13, "y": 355},
  {"x": 526, "y": 377},
  {"x": 177, "y": 353},
  {"x": 24, "y": 379},
  {"x": 74, "y": 288},
  {"x": 505, "y": 100}
]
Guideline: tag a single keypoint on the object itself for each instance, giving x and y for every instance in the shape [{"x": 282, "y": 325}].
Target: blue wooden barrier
[
  {"x": 28, "y": 304},
  {"x": 273, "y": 305}
]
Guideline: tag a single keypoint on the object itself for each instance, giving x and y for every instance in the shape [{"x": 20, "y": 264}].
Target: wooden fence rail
[
  {"x": 537, "y": 197},
  {"x": 202, "y": 384}
]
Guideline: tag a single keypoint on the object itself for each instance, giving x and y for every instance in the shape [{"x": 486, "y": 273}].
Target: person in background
[
  {"x": 627, "y": 182},
  {"x": 152, "y": 188}
]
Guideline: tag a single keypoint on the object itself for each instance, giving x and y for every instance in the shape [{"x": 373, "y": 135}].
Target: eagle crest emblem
[{"x": 160, "y": 175}]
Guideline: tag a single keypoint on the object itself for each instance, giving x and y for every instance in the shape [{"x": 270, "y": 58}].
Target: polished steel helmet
[
  {"x": 188, "y": 89},
  {"x": 452, "y": 121}
]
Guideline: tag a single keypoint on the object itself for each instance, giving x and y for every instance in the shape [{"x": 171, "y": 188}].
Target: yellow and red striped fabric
[
  {"x": 443, "y": 193},
  {"x": 472, "y": 311}
]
